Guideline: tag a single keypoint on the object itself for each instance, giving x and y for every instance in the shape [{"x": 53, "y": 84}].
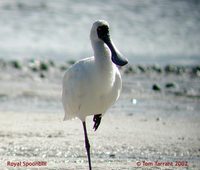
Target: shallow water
[{"x": 150, "y": 31}]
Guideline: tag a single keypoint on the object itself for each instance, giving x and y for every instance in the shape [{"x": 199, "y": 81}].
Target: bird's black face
[{"x": 103, "y": 34}]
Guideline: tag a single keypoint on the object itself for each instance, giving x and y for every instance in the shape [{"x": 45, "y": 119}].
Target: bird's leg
[
  {"x": 97, "y": 121},
  {"x": 87, "y": 145}
]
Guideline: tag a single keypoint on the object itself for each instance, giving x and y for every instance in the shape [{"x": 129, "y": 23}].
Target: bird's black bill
[
  {"x": 103, "y": 34},
  {"x": 116, "y": 56}
]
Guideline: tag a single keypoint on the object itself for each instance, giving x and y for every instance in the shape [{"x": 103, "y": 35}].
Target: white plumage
[
  {"x": 90, "y": 88},
  {"x": 93, "y": 84}
]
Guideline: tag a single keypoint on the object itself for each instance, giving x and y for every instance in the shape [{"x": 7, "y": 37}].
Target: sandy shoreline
[
  {"x": 121, "y": 141},
  {"x": 144, "y": 125}
]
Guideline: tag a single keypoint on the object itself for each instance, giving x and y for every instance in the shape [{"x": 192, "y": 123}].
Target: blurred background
[
  {"x": 146, "y": 32},
  {"x": 157, "y": 114}
]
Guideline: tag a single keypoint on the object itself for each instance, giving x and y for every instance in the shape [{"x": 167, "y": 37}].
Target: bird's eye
[{"x": 99, "y": 29}]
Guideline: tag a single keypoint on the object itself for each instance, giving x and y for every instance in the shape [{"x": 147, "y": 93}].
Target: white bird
[{"x": 93, "y": 84}]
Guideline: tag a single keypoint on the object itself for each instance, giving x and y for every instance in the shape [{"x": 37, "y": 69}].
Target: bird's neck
[{"x": 101, "y": 52}]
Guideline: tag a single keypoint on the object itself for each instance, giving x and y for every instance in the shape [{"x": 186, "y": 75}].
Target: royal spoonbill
[{"x": 92, "y": 85}]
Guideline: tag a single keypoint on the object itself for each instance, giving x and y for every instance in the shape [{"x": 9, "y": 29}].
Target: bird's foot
[{"x": 97, "y": 121}]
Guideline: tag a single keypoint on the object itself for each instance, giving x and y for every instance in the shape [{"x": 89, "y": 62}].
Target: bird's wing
[{"x": 74, "y": 82}]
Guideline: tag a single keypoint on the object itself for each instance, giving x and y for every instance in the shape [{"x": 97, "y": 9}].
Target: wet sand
[
  {"x": 120, "y": 142},
  {"x": 146, "y": 125}
]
